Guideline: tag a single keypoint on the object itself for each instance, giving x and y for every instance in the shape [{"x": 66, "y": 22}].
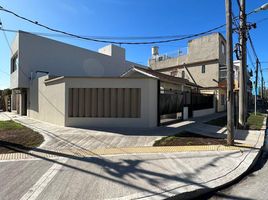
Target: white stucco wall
[
  {"x": 47, "y": 102},
  {"x": 42, "y": 54},
  {"x": 14, "y": 76}
]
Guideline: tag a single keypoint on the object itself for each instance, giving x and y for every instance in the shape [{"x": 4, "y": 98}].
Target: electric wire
[
  {"x": 9, "y": 46},
  {"x": 108, "y": 41},
  {"x": 255, "y": 54}
]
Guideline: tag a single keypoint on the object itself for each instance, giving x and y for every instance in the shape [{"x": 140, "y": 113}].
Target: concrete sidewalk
[
  {"x": 57, "y": 137},
  {"x": 113, "y": 171}
]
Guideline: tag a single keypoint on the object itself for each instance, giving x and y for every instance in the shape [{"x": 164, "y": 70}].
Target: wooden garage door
[{"x": 104, "y": 102}]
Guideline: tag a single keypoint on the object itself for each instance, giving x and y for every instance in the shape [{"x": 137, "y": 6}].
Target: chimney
[{"x": 113, "y": 51}]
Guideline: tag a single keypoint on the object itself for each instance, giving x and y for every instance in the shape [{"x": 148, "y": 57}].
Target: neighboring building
[
  {"x": 249, "y": 85},
  {"x": 34, "y": 55},
  {"x": 204, "y": 64},
  {"x": 249, "y": 74},
  {"x": 167, "y": 83},
  {"x": 177, "y": 98}
]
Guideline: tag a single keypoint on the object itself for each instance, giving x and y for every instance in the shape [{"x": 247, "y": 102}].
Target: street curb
[{"x": 200, "y": 192}]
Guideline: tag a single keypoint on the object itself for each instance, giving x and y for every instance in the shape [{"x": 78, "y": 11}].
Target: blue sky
[{"x": 126, "y": 18}]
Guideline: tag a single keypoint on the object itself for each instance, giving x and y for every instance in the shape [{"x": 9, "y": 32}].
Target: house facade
[
  {"x": 203, "y": 64},
  {"x": 94, "y": 101},
  {"x": 33, "y": 56},
  {"x": 71, "y": 86}
]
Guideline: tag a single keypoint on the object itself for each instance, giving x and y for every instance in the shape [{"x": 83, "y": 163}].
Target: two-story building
[
  {"x": 33, "y": 55},
  {"x": 203, "y": 63},
  {"x": 71, "y": 86}
]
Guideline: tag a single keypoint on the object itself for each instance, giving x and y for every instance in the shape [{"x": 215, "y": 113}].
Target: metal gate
[{"x": 170, "y": 106}]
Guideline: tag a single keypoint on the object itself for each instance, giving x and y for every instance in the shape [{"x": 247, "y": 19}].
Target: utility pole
[
  {"x": 243, "y": 66},
  {"x": 230, "y": 78},
  {"x": 256, "y": 85}
]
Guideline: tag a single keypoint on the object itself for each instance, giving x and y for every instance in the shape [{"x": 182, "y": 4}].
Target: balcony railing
[{"x": 170, "y": 55}]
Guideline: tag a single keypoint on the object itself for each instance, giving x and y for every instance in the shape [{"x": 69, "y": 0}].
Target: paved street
[
  {"x": 129, "y": 176},
  {"x": 253, "y": 186}
]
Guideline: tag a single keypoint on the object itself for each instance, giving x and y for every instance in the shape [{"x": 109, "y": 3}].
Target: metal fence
[
  {"x": 202, "y": 101},
  {"x": 170, "y": 103}
]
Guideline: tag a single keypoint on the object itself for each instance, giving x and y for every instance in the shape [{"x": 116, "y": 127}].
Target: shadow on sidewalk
[{"x": 119, "y": 171}]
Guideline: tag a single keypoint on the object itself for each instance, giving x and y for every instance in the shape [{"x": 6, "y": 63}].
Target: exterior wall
[
  {"x": 171, "y": 62},
  {"x": 208, "y": 50},
  {"x": 169, "y": 86},
  {"x": 207, "y": 79},
  {"x": 199, "y": 50},
  {"x": 148, "y": 112},
  {"x": 204, "y": 48},
  {"x": 42, "y": 54},
  {"x": 222, "y": 52},
  {"x": 47, "y": 101},
  {"x": 14, "y": 77}
]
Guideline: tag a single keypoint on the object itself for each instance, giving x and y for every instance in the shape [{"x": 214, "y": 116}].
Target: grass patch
[
  {"x": 10, "y": 125},
  {"x": 222, "y": 121},
  {"x": 188, "y": 139},
  {"x": 14, "y": 135},
  {"x": 255, "y": 122}
]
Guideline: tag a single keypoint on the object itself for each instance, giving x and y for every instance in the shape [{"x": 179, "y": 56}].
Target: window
[
  {"x": 183, "y": 74},
  {"x": 222, "y": 100},
  {"x": 222, "y": 48},
  {"x": 14, "y": 63},
  {"x": 203, "y": 69}
]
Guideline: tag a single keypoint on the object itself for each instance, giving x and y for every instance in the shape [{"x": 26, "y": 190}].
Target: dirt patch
[
  {"x": 14, "y": 136},
  {"x": 187, "y": 139}
]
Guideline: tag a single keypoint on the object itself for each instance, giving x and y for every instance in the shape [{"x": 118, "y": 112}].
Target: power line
[
  {"x": 251, "y": 60},
  {"x": 96, "y": 37},
  {"x": 108, "y": 41},
  {"x": 5, "y": 36},
  {"x": 252, "y": 46},
  {"x": 101, "y": 37},
  {"x": 255, "y": 54}
]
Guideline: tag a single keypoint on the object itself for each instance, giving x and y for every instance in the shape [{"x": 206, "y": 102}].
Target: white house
[{"x": 34, "y": 55}]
